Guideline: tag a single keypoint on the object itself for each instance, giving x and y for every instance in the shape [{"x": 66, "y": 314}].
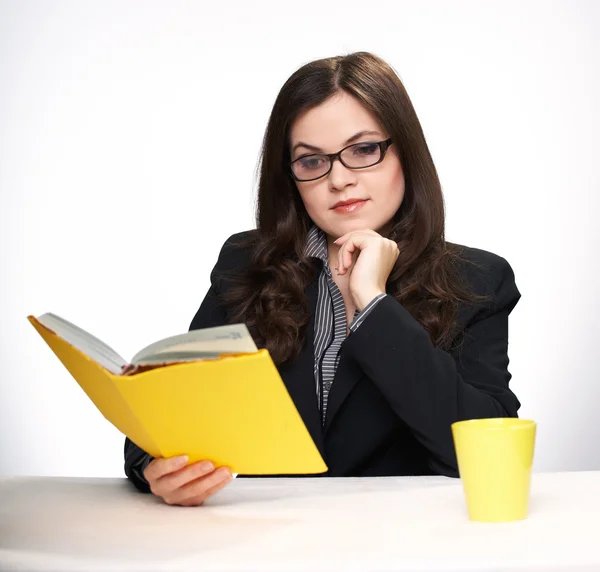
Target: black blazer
[{"x": 394, "y": 395}]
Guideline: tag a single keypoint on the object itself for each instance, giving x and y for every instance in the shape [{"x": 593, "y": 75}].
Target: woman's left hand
[{"x": 375, "y": 259}]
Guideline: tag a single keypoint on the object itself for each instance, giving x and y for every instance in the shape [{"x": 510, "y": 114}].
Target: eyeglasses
[{"x": 357, "y": 156}]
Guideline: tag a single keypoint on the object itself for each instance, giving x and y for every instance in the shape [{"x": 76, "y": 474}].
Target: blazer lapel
[
  {"x": 347, "y": 375},
  {"x": 299, "y": 377}
]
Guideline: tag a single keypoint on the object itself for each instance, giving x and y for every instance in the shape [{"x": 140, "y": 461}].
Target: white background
[{"x": 129, "y": 138}]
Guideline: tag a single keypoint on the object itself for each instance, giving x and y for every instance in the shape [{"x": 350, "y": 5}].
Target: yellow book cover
[{"x": 209, "y": 394}]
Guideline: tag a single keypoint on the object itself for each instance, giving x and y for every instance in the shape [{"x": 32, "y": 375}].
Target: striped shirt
[{"x": 330, "y": 320}]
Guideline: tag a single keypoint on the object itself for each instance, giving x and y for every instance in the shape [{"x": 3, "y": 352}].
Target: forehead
[{"x": 332, "y": 122}]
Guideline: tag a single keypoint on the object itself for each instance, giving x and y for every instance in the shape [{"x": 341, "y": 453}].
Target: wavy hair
[{"x": 269, "y": 294}]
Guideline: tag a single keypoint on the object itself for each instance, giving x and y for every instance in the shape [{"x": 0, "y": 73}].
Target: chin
[{"x": 357, "y": 224}]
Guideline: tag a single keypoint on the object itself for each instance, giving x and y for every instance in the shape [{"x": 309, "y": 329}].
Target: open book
[
  {"x": 209, "y": 343},
  {"x": 209, "y": 394}
]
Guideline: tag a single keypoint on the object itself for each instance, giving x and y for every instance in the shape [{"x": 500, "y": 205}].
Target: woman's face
[{"x": 327, "y": 128}]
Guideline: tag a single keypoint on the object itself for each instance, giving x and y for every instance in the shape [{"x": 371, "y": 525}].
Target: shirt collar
[{"x": 316, "y": 245}]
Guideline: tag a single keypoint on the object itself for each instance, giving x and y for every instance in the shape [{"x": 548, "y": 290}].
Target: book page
[
  {"x": 208, "y": 343},
  {"x": 91, "y": 346}
]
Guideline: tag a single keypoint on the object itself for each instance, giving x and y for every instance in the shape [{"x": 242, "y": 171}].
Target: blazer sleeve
[
  {"x": 428, "y": 388},
  {"x": 210, "y": 314}
]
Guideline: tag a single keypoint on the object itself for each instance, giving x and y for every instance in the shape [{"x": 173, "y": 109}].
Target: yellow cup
[{"x": 495, "y": 457}]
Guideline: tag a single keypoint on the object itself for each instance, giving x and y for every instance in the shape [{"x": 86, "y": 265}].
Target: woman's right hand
[{"x": 190, "y": 485}]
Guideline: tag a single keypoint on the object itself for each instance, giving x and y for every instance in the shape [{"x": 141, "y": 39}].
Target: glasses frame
[{"x": 383, "y": 147}]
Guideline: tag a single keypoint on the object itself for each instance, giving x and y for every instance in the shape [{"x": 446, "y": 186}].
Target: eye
[
  {"x": 312, "y": 161},
  {"x": 365, "y": 149}
]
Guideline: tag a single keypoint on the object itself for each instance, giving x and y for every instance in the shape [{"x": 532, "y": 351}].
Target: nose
[{"x": 340, "y": 177}]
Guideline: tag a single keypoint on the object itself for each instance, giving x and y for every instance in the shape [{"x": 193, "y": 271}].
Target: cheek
[
  {"x": 314, "y": 200},
  {"x": 395, "y": 184}
]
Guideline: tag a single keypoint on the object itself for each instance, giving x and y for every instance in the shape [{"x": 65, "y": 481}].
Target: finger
[
  {"x": 198, "y": 489},
  {"x": 198, "y": 500},
  {"x": 347, "y": 254},
  {"x": 340, "y": 262},
  {"x": 339, "y": 241},
  {"x": 160, "y": 467},
  {"x": 343, "y": 267},
  {"x": 184, "y": 476},
  {"x": 344, "y": 238},
  {"x": 351, "y": 249},
  {"x": 348, "y": 251}
]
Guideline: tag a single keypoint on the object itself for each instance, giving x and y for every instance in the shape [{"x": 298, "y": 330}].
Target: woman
[{"x": 383, "y": 333}]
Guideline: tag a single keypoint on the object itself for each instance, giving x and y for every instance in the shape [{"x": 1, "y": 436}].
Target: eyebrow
[{"x": 347, "y": 142}]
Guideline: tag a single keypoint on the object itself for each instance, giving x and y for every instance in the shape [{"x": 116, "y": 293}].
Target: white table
[{"x": 381, "y": 524}]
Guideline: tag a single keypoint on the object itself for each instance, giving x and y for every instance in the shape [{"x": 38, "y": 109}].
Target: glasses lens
[
  {"x": 310, "y": 167},
  {"x": 362, "y": 155}
]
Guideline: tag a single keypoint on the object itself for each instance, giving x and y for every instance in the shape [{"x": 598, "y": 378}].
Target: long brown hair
[{"x": 269, "y": 294}]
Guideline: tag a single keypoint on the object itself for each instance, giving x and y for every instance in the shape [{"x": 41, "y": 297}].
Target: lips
[
  {"x": 350, "y": 206},
  {"x": 346, "y": 203}
]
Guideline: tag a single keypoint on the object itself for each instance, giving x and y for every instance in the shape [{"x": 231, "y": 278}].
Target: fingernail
[
  {"x": 206, "y": 466},
  {"x": 181, "y": 460},
  {"x": 225, "y": 473}
]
